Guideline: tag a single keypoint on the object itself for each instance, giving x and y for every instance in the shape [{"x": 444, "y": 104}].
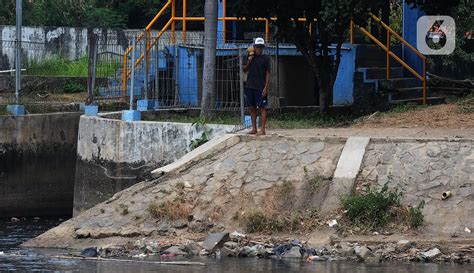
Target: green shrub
[
  {"x": 259, "y": 222},
  {"x": 371, "y": 208},
  {"x": 415, "y": 215},
  {"x": 73, "y": 87}
]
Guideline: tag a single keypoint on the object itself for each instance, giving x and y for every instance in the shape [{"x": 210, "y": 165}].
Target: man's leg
[
  {"x": 263, "y": 114},
  {"x": 253, "y": 115}
]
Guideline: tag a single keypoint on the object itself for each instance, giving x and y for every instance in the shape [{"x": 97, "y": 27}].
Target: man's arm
[
  {"x": 247, "y": 65},
  {"x": 267, "y": 84}
]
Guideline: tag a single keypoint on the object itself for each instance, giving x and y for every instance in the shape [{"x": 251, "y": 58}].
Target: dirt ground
[{"x": 453, "y": 115}]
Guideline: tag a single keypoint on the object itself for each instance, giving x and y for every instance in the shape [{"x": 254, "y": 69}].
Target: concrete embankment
[
  {"x": 37, "y": 164},
  {"x": 239, "y": 175},
  {"x": 113, "y": 155}
]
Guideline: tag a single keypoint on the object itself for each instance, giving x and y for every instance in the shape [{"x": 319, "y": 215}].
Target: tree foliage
[
  {"x": 459, "y": 64},
  {"x": 91, "y": 13}
]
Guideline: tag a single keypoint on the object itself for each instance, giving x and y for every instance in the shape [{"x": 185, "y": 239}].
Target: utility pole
[
  {"x": 210, "y": 43},
  {"x": 18, "y": 51},
  {"x": 17, "y": 109}
]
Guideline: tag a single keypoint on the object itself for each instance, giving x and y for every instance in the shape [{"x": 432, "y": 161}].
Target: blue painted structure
[
  {"x": 131, "y": 115},
  {"x": 410, "y": 18},
  {"x": 91, "y": 110},
  {"x": 188, "y": 75},
  {"x": 16, "y": 110},
  {"x": 344, "y": 85}
]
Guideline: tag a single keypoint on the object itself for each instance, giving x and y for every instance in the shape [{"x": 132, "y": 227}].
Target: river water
[{"x": 15, "y": 258}]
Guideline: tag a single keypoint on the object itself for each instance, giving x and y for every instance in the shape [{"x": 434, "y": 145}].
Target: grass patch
[
  {"x": 403, "y": 108},
  {"x": 466, "y": 105},
  {"x": 257, "y": 221},
  {"x": 170, "y": 210},
  {"x": 278, "y": 213},
  {"x": 371, "y": 208},
  {"x": 3, "y": 110},
  {"x": 314, "y": 183},
  {"x": 275, "y": 120},
  {"x": 59, "y": 66},
  {"x": 415, "y": 218},
  {"x": 74, "y": 87},
  {"x": 308, "y": 120}
]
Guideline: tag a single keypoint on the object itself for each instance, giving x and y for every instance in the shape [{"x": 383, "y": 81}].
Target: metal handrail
[{"x": 390, "y": 53}]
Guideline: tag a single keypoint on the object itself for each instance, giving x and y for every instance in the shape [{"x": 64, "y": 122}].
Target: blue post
[
  {"x": 410, "y": 18},
  {"x": 220, "y": 24},
  {"x": 132, "y": 115},
  {"x": 17, "y": 109}
]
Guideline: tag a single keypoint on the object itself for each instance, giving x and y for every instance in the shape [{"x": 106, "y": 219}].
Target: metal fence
[
  {"x": 167, "y": 76},
  {"x": 170, "y": 75}
]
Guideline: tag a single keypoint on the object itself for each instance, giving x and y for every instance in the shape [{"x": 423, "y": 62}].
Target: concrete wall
[
  {"x": 37, "y": 162},
  {"x": 113, "y": 155},
  {"x": 423, "y": 170},
  {"x": 71, "y": 43}
]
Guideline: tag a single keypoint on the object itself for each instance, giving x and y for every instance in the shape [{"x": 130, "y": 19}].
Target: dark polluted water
[{"x": 16, "y": 258}]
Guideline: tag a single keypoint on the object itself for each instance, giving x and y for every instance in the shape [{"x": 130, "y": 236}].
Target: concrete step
[
  {"x": 399, "y": 83},
  {"x": 419, "y": 101},
  {"x": 381, "y": 72},
  {"x": 408, "y": 93},
  {"x": 370, "y": 55}
]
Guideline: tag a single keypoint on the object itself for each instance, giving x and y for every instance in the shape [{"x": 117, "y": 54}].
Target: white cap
[{"x": 259, "y": 41}]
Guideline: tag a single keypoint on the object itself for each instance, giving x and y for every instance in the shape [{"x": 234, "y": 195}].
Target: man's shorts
[{"x": 253, "y": 98}]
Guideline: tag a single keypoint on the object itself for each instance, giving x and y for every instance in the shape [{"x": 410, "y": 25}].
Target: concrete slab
[
  {"x": 200, "y": 152},
  {"x": 351, "y": 158},
  {"x": 346, "y": 172}
]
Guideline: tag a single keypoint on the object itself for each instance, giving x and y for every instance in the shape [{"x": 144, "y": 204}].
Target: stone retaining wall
[
  {"x": 112, "y": 155},
  {"x": 423, "y": 170}
]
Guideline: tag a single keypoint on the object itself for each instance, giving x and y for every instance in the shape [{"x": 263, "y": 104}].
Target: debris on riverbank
[{"x": 237, "y": 245}]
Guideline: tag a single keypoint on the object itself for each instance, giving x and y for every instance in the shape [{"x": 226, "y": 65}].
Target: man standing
[{"x": 258, "y": 81}]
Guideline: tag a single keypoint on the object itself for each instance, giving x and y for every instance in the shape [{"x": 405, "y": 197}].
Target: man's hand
[
  {"x": 249, "y": 59},
  {"x": 265, "y": 92}
]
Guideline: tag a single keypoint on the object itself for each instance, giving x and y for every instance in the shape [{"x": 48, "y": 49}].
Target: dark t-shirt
[{"x": 257, "y": 72}]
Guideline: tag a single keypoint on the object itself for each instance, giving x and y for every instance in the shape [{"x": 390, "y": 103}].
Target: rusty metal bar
[
  {"x": 375, "y": 40},
  {"x": 173, "y": 24},
  {"x": 224, "y": 28},
  {"x": 267, "y": 30},
  {"x": 184, "y": 22},
  {"x": 388, "y": 55},
  {"x": 157, "y": 16}
]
